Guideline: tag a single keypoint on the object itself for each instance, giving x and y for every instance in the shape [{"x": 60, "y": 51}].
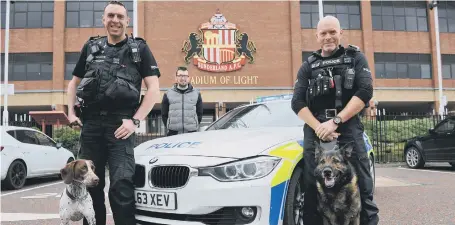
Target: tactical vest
[
  {"x": 112, "y": 80},
  {"x": 331, "y": 78},
  {"x": 182, "y": 110}
]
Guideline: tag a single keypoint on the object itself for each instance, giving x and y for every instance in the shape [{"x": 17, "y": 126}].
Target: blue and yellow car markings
[{"x": 291, "y": 153}]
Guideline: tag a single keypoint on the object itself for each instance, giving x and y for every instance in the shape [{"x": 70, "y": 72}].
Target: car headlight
[{"x": 246, "y": 169}]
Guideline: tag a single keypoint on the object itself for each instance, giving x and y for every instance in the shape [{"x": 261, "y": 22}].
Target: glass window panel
[
  {"x": 46, "y": 71},
  {"x": 377, "y": 22},
  {"x": 379, "y": 68},
  {"x": 86, "y": 19},
  {"x": 426, "y": 71},
  {"x": 314, "y": 19},
  {"x": 72, "y": 6},
  {"x": 34, "y": 19},
  {"x": 391, "y": 70},
  {"x": 305, "y": 7},
  {"x": 99, "y": 6},
  {"x": 387, "y": 23},
  {"x": 20, "y": 20},
  {"x": 329, "y": 8},
  {"x": 376, "y": 10},
  {"x": 354, "y": 22},
  {"x": 19, "y": 6},
  {"x": 98, "y": 19},
  {"x": 411, "y": 23},
  {"x": 48, "y": 19},
  {"x": 400, "y": 23},
  {"x": 344, "y": 20},
  {"x": 451, "y": 23},
  {"x": 72, "y": 19},
  {"x": 402, "y": 71},
  {"x": 305, "y": 20},
  {"x": 387, "y": 10},
  {"x": 413, "y": 58},
  {"x": 47, "y": 6},
  {"x": 33, "y": 71},
  {"x": 414, "y": 71},
  {"x": 410, "y": 11},
  {"x": 354, "y": 9},
  {"x": 421, "y": 12},
  {"x": 446, "y": 74},
  {"x": 422, "y": 24},
  {"x": 453, "y": 71},
  {"x": 403, "y": 58},
  {"x": 342, "y": 8},
  {"x": 34, "y": 6},
  {"x": 398, "y": 10},
  {"x": 86, "y": 6},
  {"x": 69, "y": 67},
  {"x": 443, "y": 25},
  {"x": 19, "y": 72}
]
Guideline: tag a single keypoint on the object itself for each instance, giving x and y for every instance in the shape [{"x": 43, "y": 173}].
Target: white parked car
[
  {"x": 28, "y": 153},
  {"x": 245, "y": 168}
]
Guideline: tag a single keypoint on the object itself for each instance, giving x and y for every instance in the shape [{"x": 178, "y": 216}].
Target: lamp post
[
  {"x": 321, "y": 9},
  {"x": 433, "y": 6},
  {"x": 5, "y": 83}
]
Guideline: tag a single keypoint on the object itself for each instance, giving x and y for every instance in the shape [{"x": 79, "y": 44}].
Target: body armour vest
[
  {"x": 332, "y": 80},
  {"x": 112, "y": 80},
  {"x": 182, "y": 110}
]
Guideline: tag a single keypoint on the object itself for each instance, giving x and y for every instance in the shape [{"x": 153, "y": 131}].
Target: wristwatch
[
  {"x": 337, "y": 120},
  {"x": 136, "y": 122}
]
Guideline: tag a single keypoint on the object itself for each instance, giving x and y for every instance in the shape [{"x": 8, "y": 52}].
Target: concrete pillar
[
  {"x": 367, "y": 32},
  {"x": 296, "y": 38}
]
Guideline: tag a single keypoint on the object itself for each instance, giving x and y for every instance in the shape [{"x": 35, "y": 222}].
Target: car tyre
[
  {"x": 452, "y": 164},
  {"x": 414, "y": 158},
  {"x": 373, "y": 171},
  {"x": 294, "y": 199},
  {"x": 16, "y": 176}
]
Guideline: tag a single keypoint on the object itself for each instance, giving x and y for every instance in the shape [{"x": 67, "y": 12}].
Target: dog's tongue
[{"x": 329, "y": 182}]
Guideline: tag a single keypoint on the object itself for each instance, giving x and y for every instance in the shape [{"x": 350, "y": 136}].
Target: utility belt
[
  {"x": 325, "y": 114},
  {"x": 96, "y": 112}
]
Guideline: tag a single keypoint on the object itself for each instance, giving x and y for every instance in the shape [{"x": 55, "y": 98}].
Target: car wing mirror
[
  {"x": 203, "y": 128},
  {"x": 58, "y": 145}
]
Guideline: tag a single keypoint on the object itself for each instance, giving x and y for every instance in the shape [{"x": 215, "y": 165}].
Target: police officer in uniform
[
  {"x": 333, "y": 85},
  {"x": 107, "y": 81}
]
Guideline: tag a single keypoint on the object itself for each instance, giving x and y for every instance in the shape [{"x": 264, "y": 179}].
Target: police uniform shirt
[
  {"x": 148, "y": 65},
  {"x": 363, "y": 84}
]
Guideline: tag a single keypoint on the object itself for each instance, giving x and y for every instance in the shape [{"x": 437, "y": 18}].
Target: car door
[
  {"x": 443, "y": 141},
  {"x": 53, "y": 155},
  {"x": 34, "y": 156}
]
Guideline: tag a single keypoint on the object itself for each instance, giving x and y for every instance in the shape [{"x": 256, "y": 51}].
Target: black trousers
[
  {"x": 351, "y": 131},
  {"x": 98, "y": 143}
]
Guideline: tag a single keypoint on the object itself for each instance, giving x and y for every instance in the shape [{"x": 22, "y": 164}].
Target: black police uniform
[
  {"x": 109, "y": 92},
  {"x": 325, "y": 85}
]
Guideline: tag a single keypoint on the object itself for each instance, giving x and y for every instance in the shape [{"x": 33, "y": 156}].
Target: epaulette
[
  {"x": 96, "y": 37},
  {"x": 353, "y": 48},
  {"x": 140, "y": 39},
  {"x": 312, "y": 57}
]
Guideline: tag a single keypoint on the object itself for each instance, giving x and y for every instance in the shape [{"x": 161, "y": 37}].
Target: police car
[{"x": 244, "y": 168}]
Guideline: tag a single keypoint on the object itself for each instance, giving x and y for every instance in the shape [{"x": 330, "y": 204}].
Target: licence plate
[{"x": 159, "y": 200}]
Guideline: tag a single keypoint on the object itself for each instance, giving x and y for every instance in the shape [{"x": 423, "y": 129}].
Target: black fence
[{"x": 389, "y": 132}]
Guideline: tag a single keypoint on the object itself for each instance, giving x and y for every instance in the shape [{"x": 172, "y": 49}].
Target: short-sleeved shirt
[{"x": 148, "y": 65}]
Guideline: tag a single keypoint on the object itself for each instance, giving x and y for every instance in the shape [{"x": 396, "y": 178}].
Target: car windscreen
[{"x": 278, "y": 114}]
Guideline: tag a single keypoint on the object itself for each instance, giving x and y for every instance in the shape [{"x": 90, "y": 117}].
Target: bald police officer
[{"x": 333, "y": 85}]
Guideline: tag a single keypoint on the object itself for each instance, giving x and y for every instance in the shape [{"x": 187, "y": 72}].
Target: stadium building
[{"x": 246, "y": 49}]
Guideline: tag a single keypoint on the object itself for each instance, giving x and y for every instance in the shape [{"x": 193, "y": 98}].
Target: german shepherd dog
[{"x": 336, "y": 180}]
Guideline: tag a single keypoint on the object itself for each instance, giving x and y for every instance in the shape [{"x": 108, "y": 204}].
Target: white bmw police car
[{"x": 245, "y": 168}]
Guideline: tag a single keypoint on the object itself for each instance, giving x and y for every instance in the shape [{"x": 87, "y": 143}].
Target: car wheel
[
  {"x": 453, "y": 165},
  {"x": 16, "y": 176},
  {"x": 294, "y": 199},
  {"x": 372, "y": 172},
  {"x": 414, "y": 158}
]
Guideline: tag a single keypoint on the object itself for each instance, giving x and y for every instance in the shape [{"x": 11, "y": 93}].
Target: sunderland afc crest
[{"x": 218, "y": 46}]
